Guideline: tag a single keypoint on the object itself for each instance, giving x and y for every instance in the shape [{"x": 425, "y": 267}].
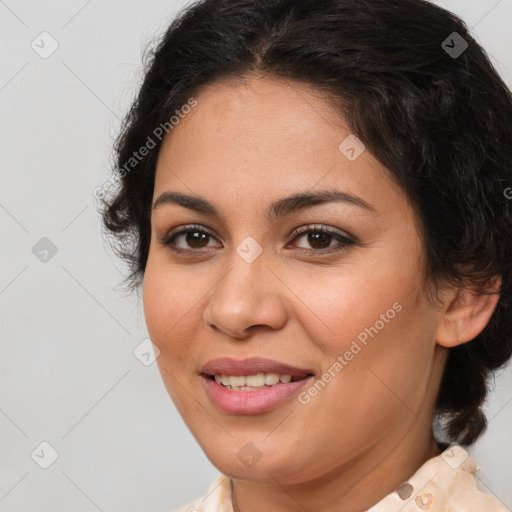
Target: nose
[{"x": 248, "y": 297}]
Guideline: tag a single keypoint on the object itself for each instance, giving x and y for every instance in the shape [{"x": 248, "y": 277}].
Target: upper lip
[{"x": 251, "y": 366}]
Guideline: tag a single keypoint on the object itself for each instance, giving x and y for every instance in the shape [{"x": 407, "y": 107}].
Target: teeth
[
  {"x": 255, "y": 381},
  {"x": 236, "y": 381},
  {"x": 273, "y": 378},
  {"x": 251, "y": 382}
]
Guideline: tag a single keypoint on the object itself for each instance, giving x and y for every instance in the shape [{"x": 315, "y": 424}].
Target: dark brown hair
[{"x": 434, "y": 112}]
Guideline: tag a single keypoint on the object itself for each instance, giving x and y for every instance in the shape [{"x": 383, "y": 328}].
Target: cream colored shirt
[{"x": 445, "y": 483}]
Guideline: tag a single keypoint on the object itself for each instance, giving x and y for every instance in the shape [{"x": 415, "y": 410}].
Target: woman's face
[{"x": 350, "y": 312}]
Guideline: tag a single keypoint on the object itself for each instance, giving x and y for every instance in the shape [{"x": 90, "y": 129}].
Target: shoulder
[{"x": 216, "y": 499}]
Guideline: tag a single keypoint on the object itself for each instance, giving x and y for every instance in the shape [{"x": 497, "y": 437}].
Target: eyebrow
[{"x": 277, "y": 209}]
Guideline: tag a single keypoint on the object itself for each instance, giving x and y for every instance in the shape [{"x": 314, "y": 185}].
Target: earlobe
[{"x": 467, "y": 315}]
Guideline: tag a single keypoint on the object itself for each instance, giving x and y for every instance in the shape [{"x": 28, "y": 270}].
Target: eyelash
[{"x": 169, "y": 239}]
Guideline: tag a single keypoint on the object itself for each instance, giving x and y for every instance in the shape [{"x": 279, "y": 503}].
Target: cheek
[
  {"x": 378, "y": 319},
  {"x": 384, "y": 333},
  {"x": 171, "y": 311},
  {"x": 343, "y": 305}
]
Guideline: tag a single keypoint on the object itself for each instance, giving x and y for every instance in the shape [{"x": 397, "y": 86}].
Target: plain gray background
[{"x": 69, "y": 376}]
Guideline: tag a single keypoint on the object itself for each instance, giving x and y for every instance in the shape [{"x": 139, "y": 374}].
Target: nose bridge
[
  {"x": 249, "y": 250},
  {"x": 247, "y": 275}
]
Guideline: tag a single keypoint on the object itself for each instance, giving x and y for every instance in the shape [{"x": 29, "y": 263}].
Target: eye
[
  {"x": 196, "y": 237},
  {"x": 320, "y": 238}
]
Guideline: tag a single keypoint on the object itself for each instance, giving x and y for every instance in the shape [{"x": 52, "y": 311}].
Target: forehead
[{"x": 262, "y": 138}]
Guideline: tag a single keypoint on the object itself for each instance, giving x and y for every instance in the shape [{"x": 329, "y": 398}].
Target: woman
[{"x": 313, "y": 199}]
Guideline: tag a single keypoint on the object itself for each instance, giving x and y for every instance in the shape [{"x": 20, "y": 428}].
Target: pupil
[
  {"x": 316, "y": 240},
  {"x": 192, "y": 241}
]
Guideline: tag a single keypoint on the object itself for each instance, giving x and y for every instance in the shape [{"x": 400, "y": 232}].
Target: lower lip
[{"x": 251, "y": 402}]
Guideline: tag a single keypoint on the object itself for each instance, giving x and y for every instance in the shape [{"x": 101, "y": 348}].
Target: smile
[
  {"x": 252, "y": 382},
  {"x": 251, "y": 400}
]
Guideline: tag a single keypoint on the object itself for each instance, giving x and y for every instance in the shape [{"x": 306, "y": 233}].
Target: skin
[{"x": 243, "y": 146}]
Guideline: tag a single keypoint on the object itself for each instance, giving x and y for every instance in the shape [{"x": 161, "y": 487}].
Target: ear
[{"x": 466, "y": 314}]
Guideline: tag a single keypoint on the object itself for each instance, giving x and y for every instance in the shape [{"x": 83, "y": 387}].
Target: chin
[{"x": 249, "y": 463}]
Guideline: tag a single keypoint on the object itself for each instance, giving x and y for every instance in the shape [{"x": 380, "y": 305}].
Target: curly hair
[{"x": 439, "y": 120}]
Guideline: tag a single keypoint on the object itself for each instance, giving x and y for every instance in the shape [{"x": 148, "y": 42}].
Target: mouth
[
  {"x": 252, "y": 366},
  {"x": 253, "y": 382},
  {"x": 251, "y": 386}
]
